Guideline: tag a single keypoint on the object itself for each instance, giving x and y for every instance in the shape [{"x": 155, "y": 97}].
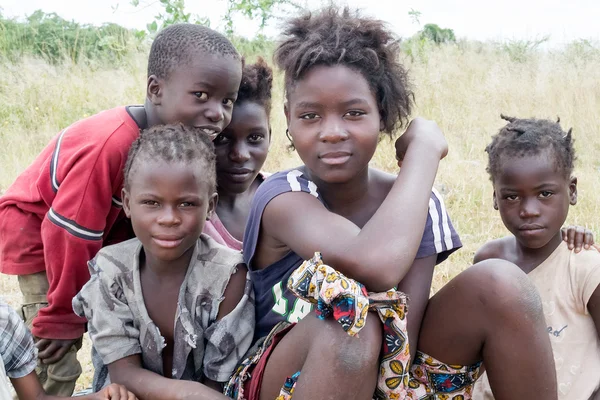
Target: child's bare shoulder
[
  {"x": 382, "y": 180},
  {"x": 497, "y": 248}
]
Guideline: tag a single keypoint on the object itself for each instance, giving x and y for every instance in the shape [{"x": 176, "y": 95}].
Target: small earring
[{"x": 287, "y": 134}]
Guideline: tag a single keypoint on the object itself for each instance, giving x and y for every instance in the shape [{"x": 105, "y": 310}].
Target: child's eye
[
  {"x": 309, "y": 116},
  {"x": 511, "y": 197},
  {"x": 150, "y": 203},
  {"x": 255, "y": 138},
  {"x": 545, "y": 194},
  {"x": 221, "y": 139},
  {"x": 187, "y": 204},
  {"x": 228, "y": 102},
  {"x": 355, "y": 113},
  {"x": 201, "y": 95}
]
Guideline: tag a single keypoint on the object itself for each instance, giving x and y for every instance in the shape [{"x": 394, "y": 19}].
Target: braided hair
[
  {"x": 172, "y": 143},
  {"x": 524, "y": 137}
]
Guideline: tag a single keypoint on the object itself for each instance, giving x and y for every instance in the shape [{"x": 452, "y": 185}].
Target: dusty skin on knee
[
  {"x": 501, "y": 286},
  {"x": 353, "y": 353}
]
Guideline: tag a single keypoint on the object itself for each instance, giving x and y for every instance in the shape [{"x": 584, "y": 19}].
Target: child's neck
[
  {"x": 169, "y": 270},
  {"x": 229, "y": 202},
  {"x": 529, "y": 259},
  {"x": 343, "y": 198}
]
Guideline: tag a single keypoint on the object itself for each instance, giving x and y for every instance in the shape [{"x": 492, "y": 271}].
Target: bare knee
[
  {"x": 351, "y": 353},
  {"x": 504, "y": 290}
]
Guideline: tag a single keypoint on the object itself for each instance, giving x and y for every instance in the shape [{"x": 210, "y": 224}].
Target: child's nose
[
  {"x": 333, "y": 131},
  {"x": 214, "y": 112},
  {"x": 529, "y": 208},
  {"x": 239, "y": 153},
  {"x": 168, "y": 217}
]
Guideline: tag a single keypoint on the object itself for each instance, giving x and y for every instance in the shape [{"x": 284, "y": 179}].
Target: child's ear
[
  {"x": 495, "y": 201},
  {"x": 212, "y": 205},
  {"x": 154, "y": 90},
  {"x": 286, "y": 111},
  {"x": 573, "y": 191},
  {"x": 125, "y": 200},
  {"x": 381, "y": 125}
]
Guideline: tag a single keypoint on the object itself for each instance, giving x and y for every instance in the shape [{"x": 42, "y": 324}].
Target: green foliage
[
  {"x": 252, "y": 48},
  {"x": 251, "y": 9},
  {"x": 522, "y": 50},
  {"x": 582, "y": 50},
  {"x": 437, "y": 35},
  {"x": 417, "y": 48},
  {"x": 173, "y": 13},
  {"x": 415, "y": 16},
  {"x": 55, "y": 39}
]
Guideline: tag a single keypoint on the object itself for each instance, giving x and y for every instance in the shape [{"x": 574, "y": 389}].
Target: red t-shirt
[{"x": 63, "y": 208}]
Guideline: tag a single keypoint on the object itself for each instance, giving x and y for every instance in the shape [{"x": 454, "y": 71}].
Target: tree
[
  {"x": 174, "y": 12},
  {"x": 262, "y": 9},
  {"x": 437, "y": 35}
]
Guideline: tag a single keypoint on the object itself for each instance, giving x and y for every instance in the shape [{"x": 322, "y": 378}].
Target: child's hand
[
  {"x": 52, "y": 351},
  {"x": 423, "y": 131},
  {"x": 578, "y": 237},
  {"x": 114, "y": 392}
]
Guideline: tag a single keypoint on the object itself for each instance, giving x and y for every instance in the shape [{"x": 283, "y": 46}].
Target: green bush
[{"x": 55, "y": 39}]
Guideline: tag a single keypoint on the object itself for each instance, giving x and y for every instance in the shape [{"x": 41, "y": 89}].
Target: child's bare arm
[
  {"x": 594, "y": 308},
  {"x": 232, "y": 296},
  {"x": 148, "y": 385},
  {"x": 234, "y": 291},
  {"x": 417, "y": 286},
  {"x": 29, "y": 388},
  {"x": 303, "y": 224}
]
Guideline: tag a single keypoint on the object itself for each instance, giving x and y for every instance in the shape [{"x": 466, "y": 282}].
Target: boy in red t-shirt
[{"x": 66, "y": 205}]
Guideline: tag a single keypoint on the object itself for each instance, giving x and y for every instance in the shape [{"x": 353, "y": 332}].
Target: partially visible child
[
  {"x": 18, "y": 359},
  {"x": 531, "y": 166},
  {"x": 241, "y": 151},
  {"x": 172, "y": 303},
  {"x": 67, "y": 205}
]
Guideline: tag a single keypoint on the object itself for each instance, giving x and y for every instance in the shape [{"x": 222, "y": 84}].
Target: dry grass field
[{"x": 464, "y": 87}]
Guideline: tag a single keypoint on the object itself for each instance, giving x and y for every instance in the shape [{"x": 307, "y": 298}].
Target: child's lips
[
  {"x": 530, "y": 229},
  {"x": 335, "y": 157},
  {"x": 167, "y": 242}
]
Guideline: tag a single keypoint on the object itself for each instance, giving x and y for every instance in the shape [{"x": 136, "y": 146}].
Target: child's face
[
  {"x": 242, "y": 148},
  {"x": 200, "y": 93},
  {"x": 168, "y": 203},
  {"x": 533, "y": 198},
  {"x": 334, "y": 121}
]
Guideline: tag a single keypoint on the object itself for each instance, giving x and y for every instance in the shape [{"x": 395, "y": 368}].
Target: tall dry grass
[{"x": 463, "y": 87}]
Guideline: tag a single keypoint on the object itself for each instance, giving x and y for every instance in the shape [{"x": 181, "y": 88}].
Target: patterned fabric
[
  {"x": 432, "y": 379},
  {"x": 288, "y": 387},
  {"x": 17, "y": 351},
  {"x": 119, "y": 325},
  {"x": 246, "y": 369},
  {"x": 274, "y": 302},
  {"x": 348, "y": 302}
]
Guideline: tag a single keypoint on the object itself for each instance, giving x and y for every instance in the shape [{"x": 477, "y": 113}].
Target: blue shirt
[{"x": 274, "y": 302}]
